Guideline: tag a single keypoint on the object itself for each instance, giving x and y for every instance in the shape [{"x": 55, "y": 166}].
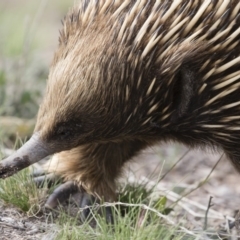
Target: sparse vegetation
[
  {"x": 137, "y": 224},
  {"x": 136, "y": 215},
  {"x": 20, "y": 191},
  {"x": 28, "y": 37}
]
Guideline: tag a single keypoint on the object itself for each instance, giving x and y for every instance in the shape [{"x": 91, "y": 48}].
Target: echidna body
[{"x": 128, "y": 74}]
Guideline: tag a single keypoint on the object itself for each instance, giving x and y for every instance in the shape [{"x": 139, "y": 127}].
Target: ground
[
  {"x": 189, "y": 173},
  {"x": 152, "y": 164},
  {"x": 28, "y": 37}
]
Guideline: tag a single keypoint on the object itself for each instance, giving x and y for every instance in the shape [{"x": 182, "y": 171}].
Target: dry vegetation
[{"x": 181, "y": 194}]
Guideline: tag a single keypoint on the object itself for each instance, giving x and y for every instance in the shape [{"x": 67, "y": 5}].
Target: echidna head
[{"x": 79, "y": 103}]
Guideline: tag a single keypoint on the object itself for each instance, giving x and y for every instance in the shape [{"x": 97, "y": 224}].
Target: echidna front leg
[{"x": 90, "y": 170}]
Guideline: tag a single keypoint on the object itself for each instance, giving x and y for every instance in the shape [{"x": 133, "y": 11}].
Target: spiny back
[{"x": 128, "y": 55}]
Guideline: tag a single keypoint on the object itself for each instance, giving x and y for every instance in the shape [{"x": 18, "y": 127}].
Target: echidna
[{"x": 128, "y": 74}]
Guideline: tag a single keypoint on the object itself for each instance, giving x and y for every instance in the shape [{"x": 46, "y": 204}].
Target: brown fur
[{"x": 128, "y": 74}]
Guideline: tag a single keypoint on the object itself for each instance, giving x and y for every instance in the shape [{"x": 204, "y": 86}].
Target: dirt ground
[
  {"x": 153, "y": 163},
  {"x": 223, "y": 184}
]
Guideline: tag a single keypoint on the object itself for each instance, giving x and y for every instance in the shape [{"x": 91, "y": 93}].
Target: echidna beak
[{"x": 32, "y": 151}]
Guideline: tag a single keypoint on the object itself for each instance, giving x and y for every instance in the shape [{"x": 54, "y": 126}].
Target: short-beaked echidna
[{"x": 128, "y": 74}]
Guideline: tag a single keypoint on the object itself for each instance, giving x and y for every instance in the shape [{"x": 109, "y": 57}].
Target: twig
[
  {"x": 176, "y": 197},
  {"x": 237, "y": 222},
  {"x": 173, "y": 166},
  {"x": 141, "y": 218},
  {"x": 13, "y": 226},
  {"x": 204, "y": 181},
  {"x": 206, "y": 214},
  {"x": 232, "y": 224}
]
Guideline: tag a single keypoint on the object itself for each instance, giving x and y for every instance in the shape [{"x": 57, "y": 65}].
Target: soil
[
  {"x": 152, "y": 164},
  {"x": 194, "y": 167}
]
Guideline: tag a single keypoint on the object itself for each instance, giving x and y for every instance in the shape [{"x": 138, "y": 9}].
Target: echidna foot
[
  {"x": 70, "y": 191},
  {"x": 48, "y": 180}
]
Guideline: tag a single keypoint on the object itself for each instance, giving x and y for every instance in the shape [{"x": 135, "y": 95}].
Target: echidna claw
[
  {"x": 70, "y": 191},
  {"x": 48, "y": 180},
  {"x": 61, "y": 194}
]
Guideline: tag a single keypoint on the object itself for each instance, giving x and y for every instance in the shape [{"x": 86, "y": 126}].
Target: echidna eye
[{"x": 63, "y": 132}]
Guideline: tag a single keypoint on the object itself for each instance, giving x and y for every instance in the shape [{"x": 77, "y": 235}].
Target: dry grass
[
  {"x": 151, "y": 211},
  {"x": 174, "y": 208}
]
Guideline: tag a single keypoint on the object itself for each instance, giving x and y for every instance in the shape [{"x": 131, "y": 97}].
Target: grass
[
  {"x": 19, "y": 191},
  {"x": 136, "y": 215},
  {"x": 28, "y": 37},
  {"x": 136, "y": 224}
]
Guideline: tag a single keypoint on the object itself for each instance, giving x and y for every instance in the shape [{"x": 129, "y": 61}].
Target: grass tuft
[
  {"x": 138, "y": 223},
  {"x": 20, "y": 191}
]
